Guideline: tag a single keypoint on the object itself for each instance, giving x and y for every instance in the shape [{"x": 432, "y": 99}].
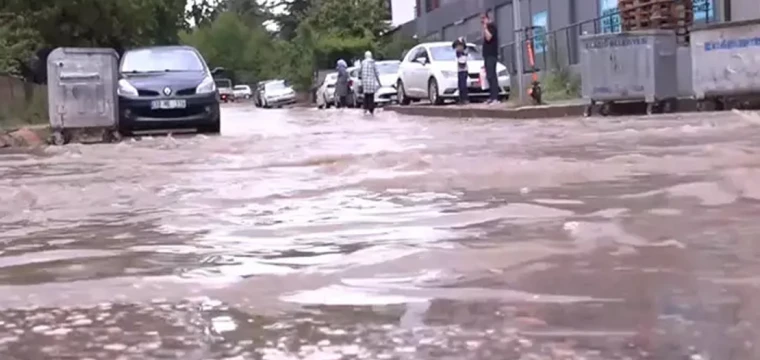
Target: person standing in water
[
  {"x": 370, "y": 82},
  {"x": 460, "y": 46},
  {"x": 341, "y": 85}
]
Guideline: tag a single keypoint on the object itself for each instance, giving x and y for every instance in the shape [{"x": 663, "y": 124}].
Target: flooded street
[{"x": 305, "y": 234}]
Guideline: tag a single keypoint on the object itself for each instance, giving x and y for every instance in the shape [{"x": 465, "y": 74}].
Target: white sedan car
[
  {"x": 429, "y": 71},
  {"x": 326, "y": 91},
  {"x": 388, "y": 72}
]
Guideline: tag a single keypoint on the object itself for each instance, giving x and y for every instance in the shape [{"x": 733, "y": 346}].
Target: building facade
[{"x": 558, "y": 23}]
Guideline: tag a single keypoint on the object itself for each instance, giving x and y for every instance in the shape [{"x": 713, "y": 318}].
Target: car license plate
[
  {"x": 475, "y": 83},
  {"x": 168, "y": 104}
]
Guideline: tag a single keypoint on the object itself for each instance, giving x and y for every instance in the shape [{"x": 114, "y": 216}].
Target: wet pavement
[{"x": 304, "y": 234}]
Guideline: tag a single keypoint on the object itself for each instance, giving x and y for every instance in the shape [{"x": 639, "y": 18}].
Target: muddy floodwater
[{"x": 320, "y": 235}]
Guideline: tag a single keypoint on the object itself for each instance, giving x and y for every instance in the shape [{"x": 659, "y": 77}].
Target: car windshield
[
  {"x": 447, "y": 53},
  {"x": 276, "y": 85},
  {"x": 241, "y": 87},
  {"x": 223, "y": 83},
  {"x": 161, "y": 60},
  {"x": 385, "y": 68},
  {"x": 331, "y": 79}
]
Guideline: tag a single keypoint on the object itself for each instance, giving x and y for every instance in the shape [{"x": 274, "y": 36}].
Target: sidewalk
[
  {"x": 510, "y": 110},
  {"x": 506, "y": 110}
]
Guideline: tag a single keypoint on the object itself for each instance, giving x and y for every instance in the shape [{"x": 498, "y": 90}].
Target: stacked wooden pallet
[{"x": 676, "y": 15}]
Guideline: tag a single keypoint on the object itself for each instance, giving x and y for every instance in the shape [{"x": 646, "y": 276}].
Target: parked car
[
  {"x": 167, "y": 87},
  {"x": 429, "y": 71},
  {"x": 242, "y": 92},
  {"x": 326, "y": 91},
  {"x": 225, "y": 90},
  {"x": 388, "y": 71},
  {"x": 277, "y": 93}
]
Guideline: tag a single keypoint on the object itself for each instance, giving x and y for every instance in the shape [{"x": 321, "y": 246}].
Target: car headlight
[
  {"x": 503, "y": 73},
  {"x": 449, "y": 74},
  {"x": 126, "y": 89},
  {"x": 206, "y": 86}
]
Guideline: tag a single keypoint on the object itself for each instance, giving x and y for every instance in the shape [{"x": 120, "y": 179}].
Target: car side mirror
[
  {"x": 421, "y": 60},
  {"x": 217, "y": 70}
]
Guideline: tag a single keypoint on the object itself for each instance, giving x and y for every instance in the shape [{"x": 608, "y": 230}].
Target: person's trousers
[
  {"x": 464, "y": 94},
  {"x": 369, "y": 102},
  {"x": 491, "y": 76},
  {"x": 342, "y": 102}
]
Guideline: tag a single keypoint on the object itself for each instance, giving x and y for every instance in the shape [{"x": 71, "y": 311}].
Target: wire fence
[{"x": 559, "y": 48}]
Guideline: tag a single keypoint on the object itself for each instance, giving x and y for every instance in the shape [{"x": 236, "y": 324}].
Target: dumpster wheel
[
  {"x": 701, "y": 105},
  {"x": 111, "y": 136},
  {"x": 651, "y": 108},
  {"x": 57, "y": 138},
  {"x": 589, "y": 110},
  {"x": 667, "y": 106},
  {"x": 606, "y": 109}
]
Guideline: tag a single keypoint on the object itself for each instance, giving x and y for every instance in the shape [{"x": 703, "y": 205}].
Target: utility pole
[{"x": 517, "y": 19}]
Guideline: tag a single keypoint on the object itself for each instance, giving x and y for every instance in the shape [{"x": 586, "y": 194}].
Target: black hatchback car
[{"x": 167, "y": 87}]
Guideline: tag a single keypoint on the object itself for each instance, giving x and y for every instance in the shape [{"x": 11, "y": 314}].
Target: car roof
[
  {"x": 442, "y": 43},
  {"x": 165, "y": 47}
]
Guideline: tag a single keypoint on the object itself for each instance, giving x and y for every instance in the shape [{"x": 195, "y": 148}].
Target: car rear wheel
[
  {"x": 401, "y": 96},
  {"x": 433, "y": 94}
]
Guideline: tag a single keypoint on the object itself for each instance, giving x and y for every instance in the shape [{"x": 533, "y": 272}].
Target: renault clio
[{"x": 167, "y": 88}]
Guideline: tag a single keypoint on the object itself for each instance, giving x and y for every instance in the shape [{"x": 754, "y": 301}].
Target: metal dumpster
[
  {"x": 82, "y": 86},
  {"x": 630, "y": 66},
  {"x": 725, "y": 61}
]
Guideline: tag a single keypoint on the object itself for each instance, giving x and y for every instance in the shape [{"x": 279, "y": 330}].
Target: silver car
[{"x": 277, "y": 93}]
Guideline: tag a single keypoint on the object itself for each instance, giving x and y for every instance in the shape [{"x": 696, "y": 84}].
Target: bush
[{"x": 561, "y": 84}]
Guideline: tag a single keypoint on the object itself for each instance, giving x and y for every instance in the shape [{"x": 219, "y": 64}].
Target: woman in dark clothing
[{"x": 341, "y": 86}]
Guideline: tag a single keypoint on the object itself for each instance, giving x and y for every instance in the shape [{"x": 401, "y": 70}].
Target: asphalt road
[{"x": 306, "y": 234}]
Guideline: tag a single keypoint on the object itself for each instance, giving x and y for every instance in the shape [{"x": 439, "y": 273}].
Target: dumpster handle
[{"x": 79, "y": 76}]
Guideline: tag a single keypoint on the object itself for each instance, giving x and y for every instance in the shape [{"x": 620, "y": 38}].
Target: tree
[
  {"x": 247, "y": 51},
  {"x": 18, "y": 42},
  {"x": 117, "y": 24},
  {"x": 357, "y": 19},
  {"x": 293, "y": 12}
]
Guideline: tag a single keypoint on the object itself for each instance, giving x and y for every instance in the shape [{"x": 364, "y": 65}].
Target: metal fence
[{"x": 559, "y": 48}]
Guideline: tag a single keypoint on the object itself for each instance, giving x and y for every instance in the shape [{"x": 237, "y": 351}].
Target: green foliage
[
  {"x": 295, "y": 12},
  {"x": 312, "y": 36},
  {"x": 395, "y": 45},
  {"x": 248, "y": 52},
  {"x": 18, "y": 42},
  {"x": 561, "y": 84},
  {"x": 353, "y": 19}
]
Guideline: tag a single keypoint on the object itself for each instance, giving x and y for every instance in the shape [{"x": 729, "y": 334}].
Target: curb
[{"x": 526, "y": 112}]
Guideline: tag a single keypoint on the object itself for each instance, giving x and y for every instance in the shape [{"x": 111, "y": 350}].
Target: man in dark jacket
[{"x": 491, "y": 56}]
